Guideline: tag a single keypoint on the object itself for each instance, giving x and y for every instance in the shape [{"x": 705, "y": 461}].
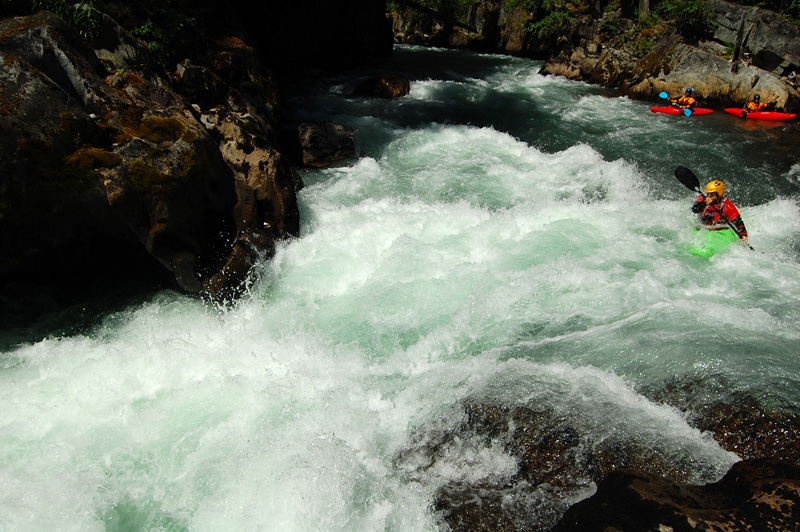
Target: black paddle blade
[{"x": 688, "y": 179}]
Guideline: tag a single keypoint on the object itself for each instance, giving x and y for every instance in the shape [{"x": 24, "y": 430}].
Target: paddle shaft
[{"x": 752, "y": 86}]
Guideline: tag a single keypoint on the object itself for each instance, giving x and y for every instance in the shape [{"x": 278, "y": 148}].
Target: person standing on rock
[{"x": 686, "y": 101}]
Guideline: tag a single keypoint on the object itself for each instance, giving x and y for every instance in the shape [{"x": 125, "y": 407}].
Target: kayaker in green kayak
[{"x": 718, "y": 212}]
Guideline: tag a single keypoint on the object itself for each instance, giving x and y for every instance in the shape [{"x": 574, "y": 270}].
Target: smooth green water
[{"x": 502, "y": 236}]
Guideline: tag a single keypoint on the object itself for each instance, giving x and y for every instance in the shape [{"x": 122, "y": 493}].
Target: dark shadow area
[{"x": 73, "y": 291}]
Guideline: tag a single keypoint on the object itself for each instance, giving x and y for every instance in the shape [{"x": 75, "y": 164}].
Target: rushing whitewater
[{"x": 502, "y": 237}]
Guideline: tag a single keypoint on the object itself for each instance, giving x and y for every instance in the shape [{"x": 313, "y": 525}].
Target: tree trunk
[{"x": 644, "y": 10}]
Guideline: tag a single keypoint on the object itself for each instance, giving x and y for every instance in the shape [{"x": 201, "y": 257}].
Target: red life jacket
[{"x": 720, "y": 213}]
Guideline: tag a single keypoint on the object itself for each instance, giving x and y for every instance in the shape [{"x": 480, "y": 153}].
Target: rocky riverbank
[{"x": 612, "y": 50}]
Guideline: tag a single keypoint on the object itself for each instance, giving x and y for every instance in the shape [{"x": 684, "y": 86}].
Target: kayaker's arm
[
  {"x": 740, "y": 228},
  {"x": 737, "y": 224}
]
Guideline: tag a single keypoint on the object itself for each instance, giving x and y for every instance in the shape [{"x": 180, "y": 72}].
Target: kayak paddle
[
  {"x": 688, "y": 179},
  {"x": 752, "y": 86},
  {"x": 691, "y": 182}
]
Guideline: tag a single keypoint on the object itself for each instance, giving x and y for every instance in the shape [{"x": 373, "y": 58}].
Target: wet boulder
[
  {"x": 754, "y": 495},
  {"x": 324, "y": 142},
  {"x": 385, "y": 86},
  {"x": 549, "y": 461},
  {"x": 98, "y": 148}
]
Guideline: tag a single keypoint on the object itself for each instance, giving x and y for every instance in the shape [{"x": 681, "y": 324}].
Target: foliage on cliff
[
  {"x": 550, "y": 19},
  {"x": 169, "y": 27},
  {"x": 80, "y": 16}
]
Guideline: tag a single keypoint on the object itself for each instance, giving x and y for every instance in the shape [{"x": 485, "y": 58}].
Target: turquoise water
[{"x": 502, "y": 236}]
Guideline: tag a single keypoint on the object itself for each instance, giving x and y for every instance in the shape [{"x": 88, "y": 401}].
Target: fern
[{"x": 81, "y": 17}]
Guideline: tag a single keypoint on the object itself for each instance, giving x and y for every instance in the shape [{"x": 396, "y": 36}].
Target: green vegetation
[
  {"x": 729, "y": 47},
  {"x": 169, "y": 27},
  {"x": 692, "y": 18},
  {"x": 641, "y": 47},
  {"x": 456, "y": 9},
  {"x": 551, "y": 19},
  {"x": 81, "y": 15},
  {"x": 609, "y": 27},
  {"x": 554, "y": 24},
  {"x": 790, "y": 10}
]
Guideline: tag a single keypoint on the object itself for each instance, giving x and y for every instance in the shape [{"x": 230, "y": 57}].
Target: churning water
[{"x": 502, "y": 236}]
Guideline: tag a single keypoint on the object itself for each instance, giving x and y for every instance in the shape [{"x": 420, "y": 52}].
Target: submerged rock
[
  {"x": 759, "y": 495},
  {"x": 324, "y": 142},
  {"x": 386, "y": 86},
  {"x": 551, "y": 463}
]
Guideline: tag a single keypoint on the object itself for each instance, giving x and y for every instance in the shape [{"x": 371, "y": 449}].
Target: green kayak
[{"x": 707, "y": 243}]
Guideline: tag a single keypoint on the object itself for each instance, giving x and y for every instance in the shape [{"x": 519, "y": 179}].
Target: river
[{"x": 501, "y": 237}]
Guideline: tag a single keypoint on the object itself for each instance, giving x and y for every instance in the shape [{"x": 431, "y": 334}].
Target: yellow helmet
[{"x": 716, "y": 186}]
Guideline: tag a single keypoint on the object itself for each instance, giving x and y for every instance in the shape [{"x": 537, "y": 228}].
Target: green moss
[
  {"x": 153, "y": 129},
  {"x": 160, "y": 130},
  {"x": 194, "y": 163},
  {"x": 144, "y": 176},
  {"x": 728, "y": 51},
  {"x": 91, "y": 158}
]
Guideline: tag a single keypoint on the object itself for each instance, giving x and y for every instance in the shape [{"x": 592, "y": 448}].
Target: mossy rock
[
  {"x": 88, "y": 158},
  {"x": 144, "y": 176}
]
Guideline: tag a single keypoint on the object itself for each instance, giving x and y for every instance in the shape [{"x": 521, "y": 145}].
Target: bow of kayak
[
  {"x": 708, "y": 243},
  {"x": 761, "y": 115}
]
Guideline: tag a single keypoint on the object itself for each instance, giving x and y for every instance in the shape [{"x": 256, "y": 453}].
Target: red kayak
[
  {"x": 761, "y": 115},
  {"x": 679, "y": 111}
]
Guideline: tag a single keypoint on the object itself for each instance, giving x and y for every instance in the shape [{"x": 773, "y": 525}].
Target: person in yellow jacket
[
  {"x": 755, "y": 105},
  {"x": 686, "y": 101}
]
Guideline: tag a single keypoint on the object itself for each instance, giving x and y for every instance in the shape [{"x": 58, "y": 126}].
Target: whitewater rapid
[{"x": 502, "y": 237}]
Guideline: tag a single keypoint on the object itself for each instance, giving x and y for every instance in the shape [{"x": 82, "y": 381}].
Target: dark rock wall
[{"x": 114, "y": 147}]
